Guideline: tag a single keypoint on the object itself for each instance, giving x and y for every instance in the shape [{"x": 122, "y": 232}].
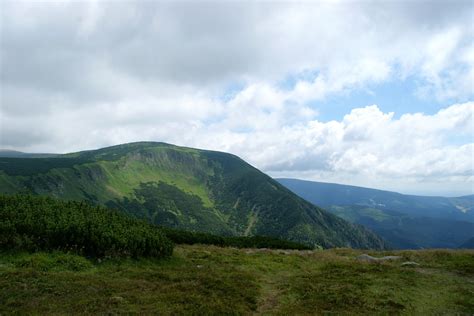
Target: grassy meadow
[{"x": 206, "y": 280}]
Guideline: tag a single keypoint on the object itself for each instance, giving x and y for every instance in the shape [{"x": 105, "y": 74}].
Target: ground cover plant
[{"x": 209, "y": 280}]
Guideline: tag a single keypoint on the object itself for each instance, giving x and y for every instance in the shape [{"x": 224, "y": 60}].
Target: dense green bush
[
  {"x": 190, "y": 238},
  {"x": 40, "y": 223}
]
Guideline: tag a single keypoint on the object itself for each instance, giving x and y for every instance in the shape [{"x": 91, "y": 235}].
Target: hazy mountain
[
  {"x": 186, "y": 188},
  {"x": 405, "y": 221},
  {"x": 404, "y": 231},
  {"x": 327, "y": 194},
  {"x": 7, "y": 153},
  {"x": 468, "y": 244}
]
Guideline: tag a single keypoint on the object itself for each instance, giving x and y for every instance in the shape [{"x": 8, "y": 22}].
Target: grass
[
  {"x": 206, "y": 280},
  {"x": 136, "y": 172}
]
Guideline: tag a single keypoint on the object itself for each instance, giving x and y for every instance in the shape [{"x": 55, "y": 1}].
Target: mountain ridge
[
  {"x": 184, "y": 188},
  {"x": 469, "y": 196},
  {"x": 405, "y": 221},
  {"x": 327, "y": 194}
]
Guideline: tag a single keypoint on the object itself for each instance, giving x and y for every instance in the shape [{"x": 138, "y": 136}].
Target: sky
[{"x": 370, "y": 93}]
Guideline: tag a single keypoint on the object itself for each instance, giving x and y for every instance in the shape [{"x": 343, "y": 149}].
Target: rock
[
  {"x": 390, "y": 258},
  {"x": 410, "y": 264},
  {"x": 116, "y": 299},
  {"x": 366, "y": 257}
]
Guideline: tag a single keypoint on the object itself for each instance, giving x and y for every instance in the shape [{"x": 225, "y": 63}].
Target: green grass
[
  {"x": 206, "y": 280},
  {"x": 129, "y": 178}
]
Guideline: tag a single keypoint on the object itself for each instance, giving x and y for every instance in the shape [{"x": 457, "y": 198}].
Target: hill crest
[{"x": 184, "y": 188}]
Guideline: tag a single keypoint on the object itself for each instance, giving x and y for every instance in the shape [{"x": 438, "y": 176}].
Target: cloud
[
  {"x": 244, "y": 77},
  {"x": 413, "y": 153}
]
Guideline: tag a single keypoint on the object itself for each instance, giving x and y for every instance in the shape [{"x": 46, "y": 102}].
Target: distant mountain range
[
  {"x": 469, "y": 244},
  {"x": 405, "y": 221},
  {"x": 182, "y": 187},
  {"x": 6, "y": 153}
]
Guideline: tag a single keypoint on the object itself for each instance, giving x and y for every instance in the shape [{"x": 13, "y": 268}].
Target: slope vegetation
[
  {"x": 183, "y": 188},
  {"x": 39, "y": 223},
  {"x": 405, "y": 221}
]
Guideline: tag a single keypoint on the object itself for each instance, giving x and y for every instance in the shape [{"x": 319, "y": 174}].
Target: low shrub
[{"x": 36, "y": 223}]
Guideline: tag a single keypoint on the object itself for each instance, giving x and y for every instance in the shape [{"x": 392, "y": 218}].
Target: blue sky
[
  {"x": 397, "y": 95},
  {"x": 371, "y": 93}
]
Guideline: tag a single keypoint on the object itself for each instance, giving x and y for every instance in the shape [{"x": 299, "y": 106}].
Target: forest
[{"x": 35, "y": 223}]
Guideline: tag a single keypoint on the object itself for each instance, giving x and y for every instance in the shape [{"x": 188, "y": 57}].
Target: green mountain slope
[
  {"x": 405, "y": 221},
  {"x": 407, "y": 232},
  {"x": 184, "y": 188},
  {"x": 327, "y": 194}
]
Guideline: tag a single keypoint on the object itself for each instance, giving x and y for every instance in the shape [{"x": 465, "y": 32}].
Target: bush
[{"x": 39, "y": 223}]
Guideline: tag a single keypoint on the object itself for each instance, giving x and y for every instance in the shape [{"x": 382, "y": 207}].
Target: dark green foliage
[
  {"x": 32, "y": 166},
  {"x": 40, "y": 223},
  {"x": 190, "y": 238}
]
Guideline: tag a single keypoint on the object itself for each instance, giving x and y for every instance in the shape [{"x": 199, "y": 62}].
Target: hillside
[
  {"x": 405, "y": 221},
  {"x": 206, "y": 280},
  {"x": 327, "y": 194},
  {"x": 183, "y": 188},
  {"x": 468, "y": 244},
  {"x": 407, "y": 232}
]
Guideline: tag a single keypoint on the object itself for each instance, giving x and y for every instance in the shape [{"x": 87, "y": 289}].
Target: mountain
[
  {"x": 468, "y": 244},
  {"x": 184, "y": 188},
  {"x": 405, "y": 221},
  {"x": 7, "y": 153},
  {"x": 407, "y": 232},
  {"x": 327, "y": 194}
]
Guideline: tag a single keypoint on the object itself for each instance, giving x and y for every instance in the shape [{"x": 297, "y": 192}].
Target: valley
[{"x": 404, "y": 221}]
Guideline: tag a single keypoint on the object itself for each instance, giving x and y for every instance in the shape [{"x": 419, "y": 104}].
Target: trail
[{"x": 252, "y": 221}]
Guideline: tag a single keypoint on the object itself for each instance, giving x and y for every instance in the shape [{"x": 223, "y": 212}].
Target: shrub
[{"x": 40, "y": 223}]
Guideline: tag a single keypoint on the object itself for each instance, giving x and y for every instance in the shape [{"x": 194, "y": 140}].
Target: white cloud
[{"x": 77, "y": 75}]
